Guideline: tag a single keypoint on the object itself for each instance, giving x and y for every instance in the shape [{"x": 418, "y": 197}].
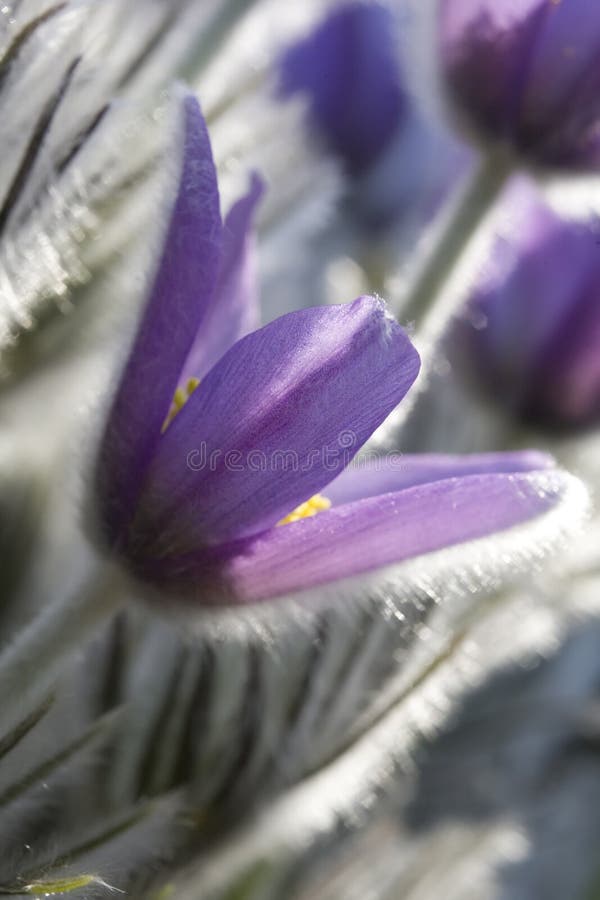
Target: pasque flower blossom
[
  {"x": 533, "y": 330},
  {"x": 310, "y": 387},
  {"x": 527, "y": 72}
]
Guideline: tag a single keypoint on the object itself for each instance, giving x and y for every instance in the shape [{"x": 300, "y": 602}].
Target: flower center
[
  {"x": 311, "y": 507},
  {"x": 180, "y": 398}
]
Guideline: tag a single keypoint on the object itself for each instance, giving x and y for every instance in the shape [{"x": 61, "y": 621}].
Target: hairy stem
[
  {"x": 433, "y": 299},
  {"x": 424, "y": 303}
]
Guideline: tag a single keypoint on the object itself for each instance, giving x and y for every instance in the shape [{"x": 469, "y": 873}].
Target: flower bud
[
  {"x": 534, "y": 323},
  {"x": 527, "y": 73}
]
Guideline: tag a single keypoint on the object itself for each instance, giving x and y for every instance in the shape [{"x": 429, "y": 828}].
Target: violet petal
[
  {"x": 181, "y": 289},
  {"x": 234, "y": 310},
  {"x": 370, "y": 477},
  {"x": 368, "y": 535}
]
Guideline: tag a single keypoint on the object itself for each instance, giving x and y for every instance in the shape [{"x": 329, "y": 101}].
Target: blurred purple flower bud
[
  {"x": 349, "y": 69},
  {"x": 400, "y": 162},
  {"x": 534, "y": 327},
  {"x": 527, "y": 72}
]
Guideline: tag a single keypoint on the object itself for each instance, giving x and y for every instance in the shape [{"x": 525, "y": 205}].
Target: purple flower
[
  {"x": 216, "y": 500},
  {"x": 534, "y": 329},
  {"x": 400, "y": 164},
  {"x": 348, "y": 68},
  {"x": 528, "y": 72}
]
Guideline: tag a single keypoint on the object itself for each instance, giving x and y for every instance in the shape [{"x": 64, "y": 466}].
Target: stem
[
  {"x": 422, "y": 304},
  {"x": 30, "y": 665},
  {"x": 429, "y": 303}
]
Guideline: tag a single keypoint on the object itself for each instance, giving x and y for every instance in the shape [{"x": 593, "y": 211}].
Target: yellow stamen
[
  {"x": 315, "y": 505},
  {"x": 180, "y": 398}
]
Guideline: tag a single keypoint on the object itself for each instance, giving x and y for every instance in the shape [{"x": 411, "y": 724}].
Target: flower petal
[
  {"x": 485, "y": 49},
  {"x": 568, "y": 386},
  {"x": 532, "y": 331},
  {"x": 526, "y": 71},
  {"x": 181, "y": 289},
  {"x": 281, "y": 414},
  {"x": 372, "y": 476},
  {"x": 234, "y": 310},
  {"x": 561, "y": 100},
  {"x": 372, "y": 534}
]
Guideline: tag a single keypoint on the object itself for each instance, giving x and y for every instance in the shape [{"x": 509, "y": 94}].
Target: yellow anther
[
  {"x": 311, "y": 507},
  {"x": 180, "y": 398}
]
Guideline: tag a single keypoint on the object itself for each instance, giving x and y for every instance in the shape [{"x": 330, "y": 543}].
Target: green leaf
[
  {"x": 250, "y": 882},
  {"x": 41, "y": 772},
  {"x": 165, "y": 893},
  {"x": 60, "y": 885},
  {"x": 55, "y": 886},
  {"x": 10, "y": 740}
]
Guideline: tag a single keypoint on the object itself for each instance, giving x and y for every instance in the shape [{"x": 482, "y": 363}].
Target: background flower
[
  {"x": 349, "y": 70},
  {"x": 533, "y": 324},
  {"x": 359, "y": 104},
  {"x": 525, "y": 73}
]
